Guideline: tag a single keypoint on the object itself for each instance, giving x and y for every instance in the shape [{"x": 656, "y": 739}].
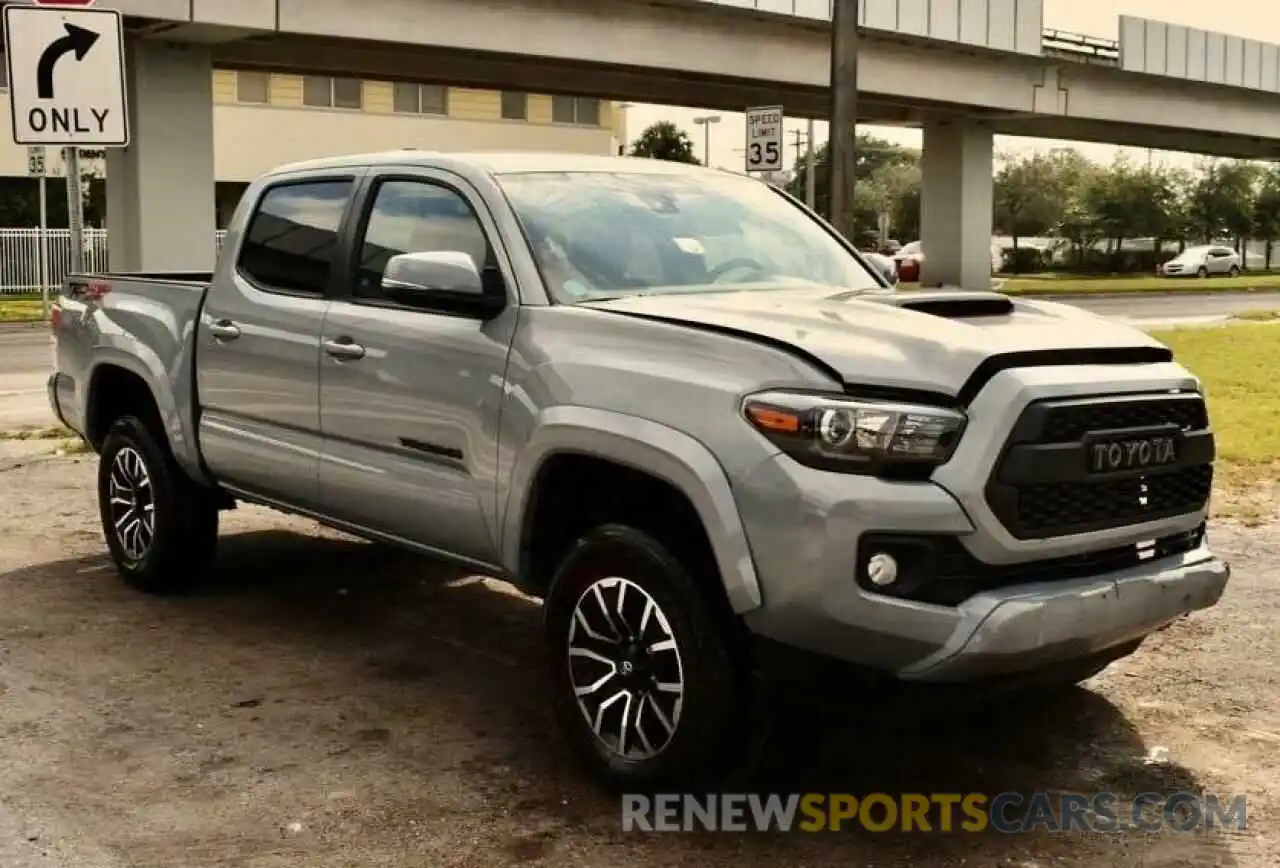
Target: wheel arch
[{"x": 648, "y": 448}]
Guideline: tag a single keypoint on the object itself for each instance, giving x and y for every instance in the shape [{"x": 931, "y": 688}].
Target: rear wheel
[
  {"x": 646, "y": 685},
  {"x": 1234, "y": 272},
  {"x": 161, "y": 528}
]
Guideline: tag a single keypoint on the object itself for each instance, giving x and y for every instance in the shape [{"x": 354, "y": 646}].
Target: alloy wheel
[
  {"x": 625, "y": 668},
  {"x": 132, "y": 504}
]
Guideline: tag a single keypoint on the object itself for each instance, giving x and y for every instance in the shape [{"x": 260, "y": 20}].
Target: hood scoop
[{"x": 949, "y": 303}]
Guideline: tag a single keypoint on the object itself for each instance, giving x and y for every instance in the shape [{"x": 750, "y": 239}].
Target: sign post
[
  {"x": 764, "y": 139},
  {"x": 67, "y": 90},
  {"x": 38, "y": 168}
]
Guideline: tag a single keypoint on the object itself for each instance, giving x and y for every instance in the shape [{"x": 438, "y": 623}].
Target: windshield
[{"x": 608, "y": 234}]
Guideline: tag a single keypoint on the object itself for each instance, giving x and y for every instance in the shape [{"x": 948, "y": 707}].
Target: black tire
[
  {"x": 184, "y": 515},
  {"x": 1234, "y": 272},
  {"x": 1202, "y": 272},
  {"x": 710, "y": 731}
]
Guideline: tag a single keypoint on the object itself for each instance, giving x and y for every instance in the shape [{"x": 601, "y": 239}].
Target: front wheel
[
  {"x": 1234, "y": 272},
  {"x": 161, "y": 527},
  {"x": 646, "y": 685},
  {"x": 1202, "y": 272}
]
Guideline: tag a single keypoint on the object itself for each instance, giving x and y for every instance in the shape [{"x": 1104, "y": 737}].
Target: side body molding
[{"x": 650, "y": 447}]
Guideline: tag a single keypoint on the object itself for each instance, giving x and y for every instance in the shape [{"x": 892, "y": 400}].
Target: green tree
[
  {"x": 1222, "y": 201},
  {"x": 1030, "y": 195},
  {"x": 873, "y": 156},
  {"x": 664, "y": 141},
  {"x": 1266, "y": 211}
]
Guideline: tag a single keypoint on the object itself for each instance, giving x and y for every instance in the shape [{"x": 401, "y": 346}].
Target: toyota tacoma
[{"x": 671, "y": 402}]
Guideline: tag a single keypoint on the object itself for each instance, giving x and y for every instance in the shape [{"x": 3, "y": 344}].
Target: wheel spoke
[
  {"x": 652, "y": 704},
  {"x": 604, "y": 706},
  {"x": 624, "y": 727}
]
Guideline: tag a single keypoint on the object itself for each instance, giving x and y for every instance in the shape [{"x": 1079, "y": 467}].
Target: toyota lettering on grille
[{"x": 1132, "y": 454}]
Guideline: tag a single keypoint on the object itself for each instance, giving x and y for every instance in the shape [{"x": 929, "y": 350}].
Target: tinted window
[
  {"x": 416, "y": 217},
  {"x": 293, "y": 236}
]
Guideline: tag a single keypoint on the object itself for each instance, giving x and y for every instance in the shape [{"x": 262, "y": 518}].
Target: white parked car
[{"x": 1203, "y": 261}]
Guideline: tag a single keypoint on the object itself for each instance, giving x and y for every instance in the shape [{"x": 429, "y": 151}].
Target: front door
[
  {"x": 411, "y": 398},
  {"x": 258, "y": 341}
]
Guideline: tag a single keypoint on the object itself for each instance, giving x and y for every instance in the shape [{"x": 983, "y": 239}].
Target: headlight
[{"x": 853, "y": 435}]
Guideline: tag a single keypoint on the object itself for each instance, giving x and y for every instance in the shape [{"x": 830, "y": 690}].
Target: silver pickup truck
[{"x": 671, "y": 402}]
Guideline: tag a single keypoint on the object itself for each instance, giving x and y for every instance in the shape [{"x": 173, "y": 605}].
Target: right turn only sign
[
  {"x": 764, "y": 139},
  {"x": 66, "y": 76}
]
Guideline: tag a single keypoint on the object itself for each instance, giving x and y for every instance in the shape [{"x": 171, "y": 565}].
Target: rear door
[
  {"x": 258, "y": 343},
  {"x": 410, "y": 418}
]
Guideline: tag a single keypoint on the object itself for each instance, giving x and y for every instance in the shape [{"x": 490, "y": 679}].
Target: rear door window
[{"x": 292, "y": 239}]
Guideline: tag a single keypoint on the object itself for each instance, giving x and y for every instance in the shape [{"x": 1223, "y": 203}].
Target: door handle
[
  {"x": 344, "y": 348},
  {"x": 224, "y": 330}
]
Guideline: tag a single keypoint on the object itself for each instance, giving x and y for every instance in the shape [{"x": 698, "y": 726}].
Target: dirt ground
[{"x": 325, "y": 702}]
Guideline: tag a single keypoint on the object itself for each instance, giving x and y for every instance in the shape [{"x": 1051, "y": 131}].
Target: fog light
[{"x": 882, "y": 569}]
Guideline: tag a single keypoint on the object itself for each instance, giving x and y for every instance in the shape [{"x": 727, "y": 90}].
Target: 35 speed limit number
[{"x": 764, "y": 139}]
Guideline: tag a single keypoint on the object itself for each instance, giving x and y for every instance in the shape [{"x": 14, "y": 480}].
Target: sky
[{"x": 1255, "y": 19}]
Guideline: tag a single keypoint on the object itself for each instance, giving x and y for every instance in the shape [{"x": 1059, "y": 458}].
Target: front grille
[
  {"x": 1043, "y": 485},
  {"x": 1064, "y": 424}
]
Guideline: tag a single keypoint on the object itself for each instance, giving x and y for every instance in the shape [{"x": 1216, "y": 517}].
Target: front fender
[{"x": 653, "y": 448}]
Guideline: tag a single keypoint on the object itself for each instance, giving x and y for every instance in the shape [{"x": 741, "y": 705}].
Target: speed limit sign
[
  {"x": 36, "y": 167},
  {"x": 764, "y": 139}
]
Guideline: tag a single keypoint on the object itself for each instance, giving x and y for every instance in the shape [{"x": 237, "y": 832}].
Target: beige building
[{"x": 264, "y": 119}]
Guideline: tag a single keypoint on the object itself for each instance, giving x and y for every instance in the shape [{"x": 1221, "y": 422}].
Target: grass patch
[
  {"x": 1257, "y": 315},
  {"x": 1091, "y": 285},
  {"x": 20, "y": 310},
  {"x": 1052, "y": 284},
  {"x": 49, "y": 432},
  {"x": 1238, "y": 365}
]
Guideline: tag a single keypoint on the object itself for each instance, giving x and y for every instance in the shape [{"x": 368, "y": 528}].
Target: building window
[
  {"x": 515, "y": 105},
  {"x": 321, "y": 91},
  {"x": 425, "y": 99},
  {"x": 348, "y": 93},
  {"x": 253, "y": 87},
  {"x": 575, "y": 110}
]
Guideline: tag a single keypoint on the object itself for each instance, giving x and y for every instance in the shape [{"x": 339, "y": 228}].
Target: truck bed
[{"x": 142, "y": 322}]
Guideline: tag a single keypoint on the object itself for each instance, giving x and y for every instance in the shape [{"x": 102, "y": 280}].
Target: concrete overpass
[{"x": 963, "y": 70}]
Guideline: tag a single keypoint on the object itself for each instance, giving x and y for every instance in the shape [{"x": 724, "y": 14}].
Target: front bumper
[
  {"x": 804, "y": 527},
  {"x": 1033, "y": 626}
]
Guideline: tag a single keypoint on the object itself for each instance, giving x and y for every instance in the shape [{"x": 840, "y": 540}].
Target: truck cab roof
[{"x": 498, "y": 162}]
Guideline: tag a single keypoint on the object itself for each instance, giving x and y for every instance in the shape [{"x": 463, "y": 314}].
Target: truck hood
[{"x": 928, "y": 341}]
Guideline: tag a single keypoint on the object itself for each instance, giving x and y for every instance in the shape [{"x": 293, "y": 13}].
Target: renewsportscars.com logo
[{"x": 934, "y": 812}]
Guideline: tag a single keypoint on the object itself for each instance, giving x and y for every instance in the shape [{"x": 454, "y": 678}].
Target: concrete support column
[
  {"x": 160, "y": 190},
  {"x": 956, "y": 205}
]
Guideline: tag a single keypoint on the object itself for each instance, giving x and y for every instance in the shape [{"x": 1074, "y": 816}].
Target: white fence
[{"x": 20, "y": 257}]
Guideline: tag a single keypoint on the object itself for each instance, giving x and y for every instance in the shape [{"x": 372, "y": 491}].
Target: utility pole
[
  {"x": 798, "y": 141},
  {"x": 841, "y": 155},
  {"x": 809, "y": 193}
]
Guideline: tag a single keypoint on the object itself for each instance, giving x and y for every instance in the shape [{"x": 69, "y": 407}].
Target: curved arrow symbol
[{"x": 78, "y": 39}]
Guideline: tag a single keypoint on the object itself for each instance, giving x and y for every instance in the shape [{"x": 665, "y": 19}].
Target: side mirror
[{"x": 444, "y": 279}]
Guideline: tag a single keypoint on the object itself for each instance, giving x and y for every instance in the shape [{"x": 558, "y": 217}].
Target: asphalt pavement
[
  {"x": 26, "y": 352},
  {"x": 26, "y": 356}
]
